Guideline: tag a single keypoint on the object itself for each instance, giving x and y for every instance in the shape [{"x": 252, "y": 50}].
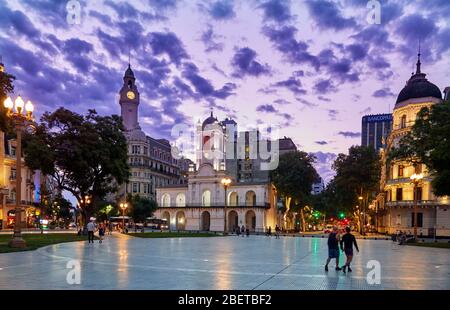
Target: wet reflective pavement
[{"x": 257, "y": 262}]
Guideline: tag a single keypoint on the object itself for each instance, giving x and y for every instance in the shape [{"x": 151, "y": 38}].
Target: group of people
[
  {"x": 242, "y": 230},
  {"x": 401, "y": 237},
  {"x": 345, "y": 243},
  {"x": 277, "y": 231},
  {"x": 92, "y": 227}
]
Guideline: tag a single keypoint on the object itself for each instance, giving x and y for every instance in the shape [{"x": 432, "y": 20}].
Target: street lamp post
[
  {"x": 415, "y": 178},
  {"x": 123, "y": 206},
  {"x": 15, "y": 112},
  {"x": 361, "y": 198},
  {"x": 226, "y": 183}
]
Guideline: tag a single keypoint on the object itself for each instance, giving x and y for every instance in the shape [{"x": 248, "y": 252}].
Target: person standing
[
  {"x": 277, "y": 232},
  {"x": 243, "y": 230},
  {"x": 333, "y": 248},
  {"x": 270, "y": 231},
  {"x": 91, "y": 229},
  {"x": 101, "y": 232},
  {"x": 247, "y": 231},
  {"x": 347, "y": 242}
]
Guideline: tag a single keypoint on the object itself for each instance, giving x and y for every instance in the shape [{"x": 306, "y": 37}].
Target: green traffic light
[{"x": 341, "y": 215}]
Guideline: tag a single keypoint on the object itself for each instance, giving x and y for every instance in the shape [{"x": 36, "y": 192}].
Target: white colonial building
[
  {"x": 200, "y": 204},
  {"x": 397, "y": 201}
]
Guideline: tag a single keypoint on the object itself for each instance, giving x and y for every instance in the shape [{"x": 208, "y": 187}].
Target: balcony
[
  {"x": 405, "y": 180},
  {"x": 10, "y": 201},
  {"x": 420, "y": 203},
  {"x": 239, "y": 206}
]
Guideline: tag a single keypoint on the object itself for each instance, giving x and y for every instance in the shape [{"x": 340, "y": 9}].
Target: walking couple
[{"x": 346, "y": 244}]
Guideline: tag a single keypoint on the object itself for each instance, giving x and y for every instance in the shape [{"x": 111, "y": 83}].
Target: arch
[
  {"x": 250, "y": 220},
  {"x": 180, "y": 221},
  {"x": 181, "y": 200},
  {"x": 233, "y": 199},
  {"x": 166, "y": 216},
  {"x": 250, "y": 199},
  {"x": 165, "y": 200},
  {"x": 206, "y": 198},
  {"x": 233, "y": 222},
  {"x": 205, "y": 221}
]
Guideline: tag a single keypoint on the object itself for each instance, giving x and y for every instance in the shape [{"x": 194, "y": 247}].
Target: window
[
  {"x": 399, "y": 194},
  {"x": 418, "y": 193},
  {"x": 403, "y": 121},
  {"x": 418, "y": 168},
  {"x": 135, "y": 187},
  {"x": 13, "y": 151},
  {"x": 13, "y": 174},
  {"x": 419, "y": 219},
  {"x": 400, "y": 170}
]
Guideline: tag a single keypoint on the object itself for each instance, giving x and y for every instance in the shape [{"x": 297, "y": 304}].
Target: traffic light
[
  {"x": 341, "y": 215},
  {"x": 316, "y": 214}
]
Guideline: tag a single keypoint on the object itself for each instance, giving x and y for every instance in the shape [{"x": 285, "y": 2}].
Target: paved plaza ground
[{"x": 257, "y": 262}]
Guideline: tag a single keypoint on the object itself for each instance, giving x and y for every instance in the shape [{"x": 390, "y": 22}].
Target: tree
[
  {"x": 84, "y": 155},
  {"x": 429, "y": 143},
  {"x": 357, "y": 174},
  {"x": 56, "y": 207},
  {"x": 6, "y": 87},
  {"x": 140, "y": 208},
  {"x": 293, "y": 180}
]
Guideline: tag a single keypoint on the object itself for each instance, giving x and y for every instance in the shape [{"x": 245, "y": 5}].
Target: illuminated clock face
[{"x": 131, "y": 95}]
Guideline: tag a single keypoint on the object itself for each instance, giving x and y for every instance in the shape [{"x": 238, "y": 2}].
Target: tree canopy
[
  {"x": 429, "y": 143},
  {"x": 6, "y": 88},
  {"x": 294, "y": 178},
  {"x": 84, "y": 155},
  {"x": 140, "y": 208}
]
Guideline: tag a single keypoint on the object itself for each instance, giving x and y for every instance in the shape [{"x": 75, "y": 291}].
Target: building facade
[
  {"x": 396, "y": 202},
  {"x": 375, "y": 129},
  {"x": 29, "y": 188},
  {"x": 199, "y": 204},
  {"x": 150, "y": 159}
]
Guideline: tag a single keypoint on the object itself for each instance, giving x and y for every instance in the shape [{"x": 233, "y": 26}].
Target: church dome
[
  {"x": 419, "y": 87},
  {"x": 209, "y": 121}
]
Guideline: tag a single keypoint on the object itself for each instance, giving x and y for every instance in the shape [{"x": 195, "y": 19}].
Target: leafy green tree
[
  {"x": 357, "y": 174},
  {"x": 293, "y": 180},
  {"x": 84, "y": 155},
  {"x": 429, "y": 143},
  {"x": 56, "y": 206},
  {"x": 140, "y": 208},
  {"x": 6, "y": 88}
]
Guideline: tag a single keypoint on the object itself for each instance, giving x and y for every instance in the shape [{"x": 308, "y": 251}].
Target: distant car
[
  {"x": 72, "y": 225},
  {"x": 328, "y": 229}
]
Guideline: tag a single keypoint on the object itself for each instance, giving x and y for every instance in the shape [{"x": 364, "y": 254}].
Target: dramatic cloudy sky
[{"x": 313, "y": 68}]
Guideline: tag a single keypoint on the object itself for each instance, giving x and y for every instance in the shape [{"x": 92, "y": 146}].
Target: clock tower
[{"x": 129, "y": 101}]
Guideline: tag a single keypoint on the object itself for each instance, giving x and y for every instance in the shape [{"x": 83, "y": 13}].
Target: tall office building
[{"x": 375, "y": 130}]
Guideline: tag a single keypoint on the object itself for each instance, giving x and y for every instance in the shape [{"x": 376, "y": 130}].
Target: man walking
[
  {"x": 91, "y": 229},
  {"x": 347, "y": 242},
  {"x": 333, "y": 248}
]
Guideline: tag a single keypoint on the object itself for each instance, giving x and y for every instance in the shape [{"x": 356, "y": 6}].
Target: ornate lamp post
[
  {"x": 415, "y": 178},
  {"x": 361, "y": 202},
  {"x": 226, "y": 183},
  {"x": 123, "y": 206},
  {"x": 15, "y": 110}
]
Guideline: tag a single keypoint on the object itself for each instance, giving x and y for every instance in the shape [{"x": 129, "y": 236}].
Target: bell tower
[{"x": 129, "y": 101}]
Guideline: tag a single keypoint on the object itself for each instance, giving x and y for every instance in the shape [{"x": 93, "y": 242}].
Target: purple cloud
[
  {"x": 245, "y": 64},
  {"x": 349, "y": 134},
  {"x": 328, "y": 16},
  {"x": 276, "y": 10},
  {"x": 266, "y": 108},
  {"x": 383, "y": 92}
]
